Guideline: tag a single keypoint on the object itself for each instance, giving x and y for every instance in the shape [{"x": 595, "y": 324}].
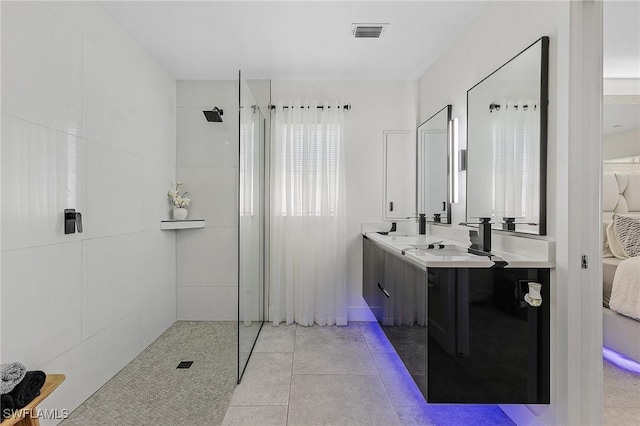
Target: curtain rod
[{"x": 346, "y": 107}]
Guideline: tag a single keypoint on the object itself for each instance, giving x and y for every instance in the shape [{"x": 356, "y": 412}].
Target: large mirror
[
  {"x": 434, "y": 169},
  {"x": 621, "y": 133},
  {"x": 507, "y": 144}
]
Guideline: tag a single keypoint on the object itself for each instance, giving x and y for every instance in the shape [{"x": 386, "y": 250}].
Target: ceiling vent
[{"x": 368, "y": 30}]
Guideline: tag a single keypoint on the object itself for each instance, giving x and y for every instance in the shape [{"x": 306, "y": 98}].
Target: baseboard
[
  {"x": 520, "y": 414},
  {"x": 359, "y": 313}
]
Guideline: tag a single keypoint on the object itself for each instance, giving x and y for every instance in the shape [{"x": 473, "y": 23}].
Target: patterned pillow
[{"x": 627, "y": 232}]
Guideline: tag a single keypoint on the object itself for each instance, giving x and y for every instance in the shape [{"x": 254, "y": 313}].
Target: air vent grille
[{"x": 367, "y": 30}]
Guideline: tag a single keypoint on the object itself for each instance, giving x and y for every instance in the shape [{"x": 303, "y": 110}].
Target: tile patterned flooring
[
  {"x": 340, "y": 376},
  {"x": 296, "y": 376}
]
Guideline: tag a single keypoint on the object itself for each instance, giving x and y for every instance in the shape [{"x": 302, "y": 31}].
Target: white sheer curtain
[
  {"x": 515, "y": 130},
  {"x": 308, "y": 244}
]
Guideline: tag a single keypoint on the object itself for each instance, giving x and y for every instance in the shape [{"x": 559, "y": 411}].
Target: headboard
[{"x": 621, "y": 194}]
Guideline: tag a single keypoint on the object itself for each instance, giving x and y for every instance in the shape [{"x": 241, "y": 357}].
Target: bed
[{"x": 621, "y": 333}]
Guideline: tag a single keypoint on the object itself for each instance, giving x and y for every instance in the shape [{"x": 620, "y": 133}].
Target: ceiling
[
  {"x": 310, "y": 40},
  {"x": 293, "y": 40}
]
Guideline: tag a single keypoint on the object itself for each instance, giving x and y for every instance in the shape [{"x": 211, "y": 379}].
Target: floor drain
[{"x": 184, "y": 364}]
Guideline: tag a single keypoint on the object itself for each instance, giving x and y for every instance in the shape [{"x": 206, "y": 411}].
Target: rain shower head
[{"x": 215, "y": 115}]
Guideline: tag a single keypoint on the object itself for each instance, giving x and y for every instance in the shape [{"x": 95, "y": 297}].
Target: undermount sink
[{"x": 446, "y": 251}]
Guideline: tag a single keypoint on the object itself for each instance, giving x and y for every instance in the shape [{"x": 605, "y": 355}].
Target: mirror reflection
[
  {"x": 506, "y": 144},
  {"x": 433, "y": 167},
  {"x": 621, "y": 133}
]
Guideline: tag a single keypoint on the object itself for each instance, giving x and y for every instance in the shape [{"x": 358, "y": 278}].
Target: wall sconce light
[{"x": 453, "y": 160}]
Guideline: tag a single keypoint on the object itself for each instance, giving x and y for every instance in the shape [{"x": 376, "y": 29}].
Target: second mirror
[{"x": 434, "y": 159}]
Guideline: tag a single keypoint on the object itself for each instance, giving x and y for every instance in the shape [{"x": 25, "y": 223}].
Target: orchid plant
[{"x": 177, "y": 199}]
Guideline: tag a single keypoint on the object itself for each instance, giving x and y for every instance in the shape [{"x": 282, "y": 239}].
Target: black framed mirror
[
  {"x": 434, "y": 158},
  {"x": 507, "y": 143}
]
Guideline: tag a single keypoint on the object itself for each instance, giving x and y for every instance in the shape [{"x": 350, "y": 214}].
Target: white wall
[
  {"x": 88, "y": 122},
  {"x": 501, "y": 31},
  {"x": 207, "y": 163},
  {"x": 376, "y": 106},
  {"x": 621, "y": 145}
]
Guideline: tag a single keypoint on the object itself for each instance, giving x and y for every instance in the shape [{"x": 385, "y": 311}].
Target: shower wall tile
[
  {"x": 95, "y": 25},
  {"x": 213, "y": 194},
  {"x": 41, "y": 67},
  {"x": 47, "y": 280},
  {"x": 220, "y": 93},
  {"x": 157, "y": 179},
  {"x": 88, "y": 122},
  {"x": 114, "y": 191},
  {"x": 111, "y": 349},
  {"x": 43, "y": 173},
  {"x": 207, "y": 303},
  {"x": 158, "y": 315},
  {"x": 158, "y": 123},
  {"x": 207, "y": 162},
  {"x": 205, "y": 144},
  {"x": 122, "y": 273},
  {"x": 112, "y": 102},
  {"x": 207, "y": 257},
  {"x": 73, "y": 364}
]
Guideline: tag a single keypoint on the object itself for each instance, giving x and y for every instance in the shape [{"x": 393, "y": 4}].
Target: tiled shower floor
[{"x": 151, "y": 391}]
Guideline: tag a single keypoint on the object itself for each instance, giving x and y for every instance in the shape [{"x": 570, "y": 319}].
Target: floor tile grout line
[
  {"x": 293, "y": 357},
  {"x": 384, "y": 385}
]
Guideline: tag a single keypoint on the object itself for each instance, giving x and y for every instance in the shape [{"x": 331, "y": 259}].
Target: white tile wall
[
  {"x": 158, "y": 315},
  {"x": 75, "y": 367},
  {"x": 43, "y": 173},
  {"x": 113, "y": 191},
  {"x": 213, "y": 193},
  {"x": 207, "y": 257},
  {"x": 42, "y": 83},
  {"x": 112, "y": 102},
  {"x": 208, "y": 303},
  {"x": 208, "y": 93},
  {"x": 122, "y": 273},
  {"x": 207, "y": 161},
  {"x": 107, "y": 352},
  {"x": 41, "y": 302},
  {"x": 157, "y": 179},
  {"x": 205, "y": 144},
  {"x": 88, "y": 122}
]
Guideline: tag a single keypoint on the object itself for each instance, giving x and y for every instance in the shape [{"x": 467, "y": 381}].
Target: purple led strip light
[{"x": 620, "y": 360}]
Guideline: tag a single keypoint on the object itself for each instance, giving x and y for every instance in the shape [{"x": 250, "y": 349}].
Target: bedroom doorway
[{"x": 620, "y": 195}]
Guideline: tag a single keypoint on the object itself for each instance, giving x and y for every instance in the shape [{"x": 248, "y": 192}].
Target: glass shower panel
[{"x": 251, "y": 224}]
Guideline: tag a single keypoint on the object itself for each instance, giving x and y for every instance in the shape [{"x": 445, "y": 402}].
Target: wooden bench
[{"x": 28, "y": 416}]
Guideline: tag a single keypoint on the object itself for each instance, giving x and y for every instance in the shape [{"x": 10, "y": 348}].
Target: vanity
[
  {"x": 459, "y": 322},
  {"x": 472, "y": 324}
]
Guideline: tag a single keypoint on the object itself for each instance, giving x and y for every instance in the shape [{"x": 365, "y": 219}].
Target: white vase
[{"x": 180, "y": 213}]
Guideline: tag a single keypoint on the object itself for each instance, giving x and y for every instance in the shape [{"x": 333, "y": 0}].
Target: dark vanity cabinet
[
  {"x": 486, "y": 344},
  {"x": 465, "y": 334},
  {"x": 396, "y": 292}
]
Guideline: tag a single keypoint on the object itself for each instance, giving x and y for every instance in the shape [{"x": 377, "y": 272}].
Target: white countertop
[{"x": 453, "y": 255}]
